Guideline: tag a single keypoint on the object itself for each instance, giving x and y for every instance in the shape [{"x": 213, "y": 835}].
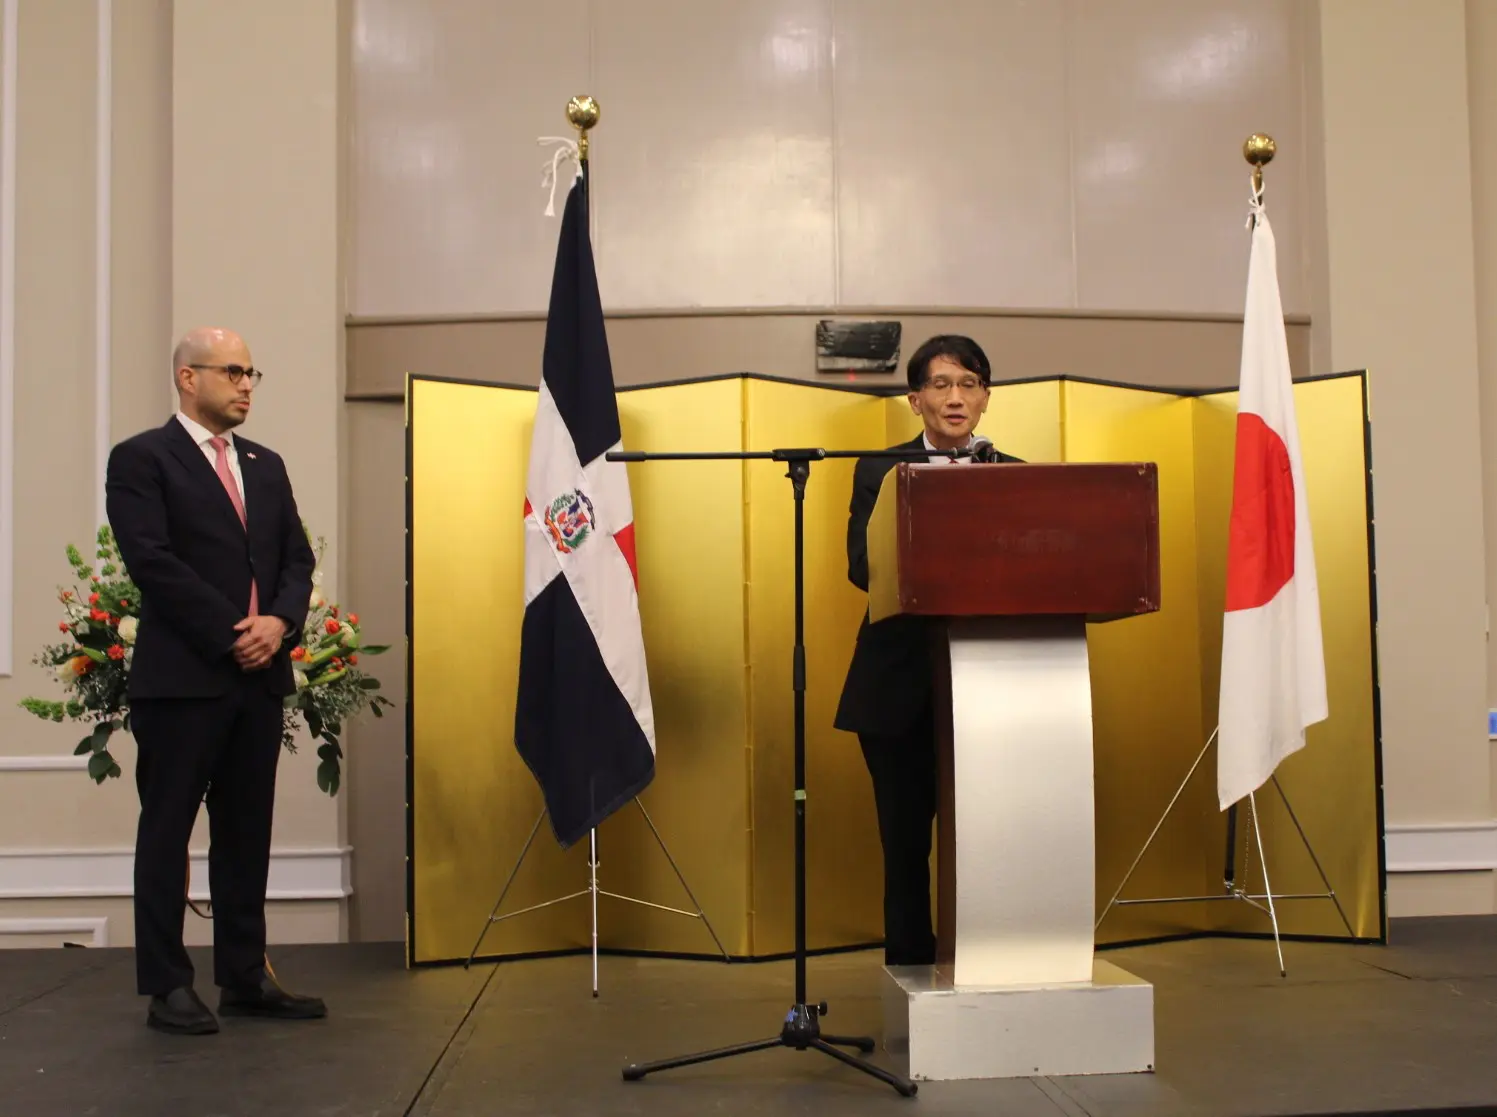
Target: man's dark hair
[{"x": 963, "y": 350}]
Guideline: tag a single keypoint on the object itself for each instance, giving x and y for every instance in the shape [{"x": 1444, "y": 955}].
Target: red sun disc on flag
[{"x": 1260, "y": 542}]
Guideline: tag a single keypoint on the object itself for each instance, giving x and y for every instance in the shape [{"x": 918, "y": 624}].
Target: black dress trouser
[
  {"x": 903, "y": 769},
  {"x": 227, "y": 747}
]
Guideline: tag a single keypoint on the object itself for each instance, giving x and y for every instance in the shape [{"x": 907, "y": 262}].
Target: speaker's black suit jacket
[
  {"x": 888, "y": 683},
  {"x": 185, "y": 548}
]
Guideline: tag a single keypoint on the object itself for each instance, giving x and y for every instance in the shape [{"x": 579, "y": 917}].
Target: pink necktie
[{"x": 226, "y": 475}]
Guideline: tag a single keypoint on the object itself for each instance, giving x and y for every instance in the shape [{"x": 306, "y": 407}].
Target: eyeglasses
[
  {"x": 967, "y": 385},
  {"x": 236, "y": 373}
]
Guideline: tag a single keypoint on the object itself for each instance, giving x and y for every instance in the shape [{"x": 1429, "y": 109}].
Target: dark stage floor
[{"x": 1404, "y": 1028}]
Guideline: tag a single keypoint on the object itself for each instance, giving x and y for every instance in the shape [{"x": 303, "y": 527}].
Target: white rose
[
  {"x": 81, "y": 628},
  {"x": 300, "y": 676},
  {"x": 128, "y": 627},
  {"x": 65, "y": 673},
  {"x": 318, "y": 601}
]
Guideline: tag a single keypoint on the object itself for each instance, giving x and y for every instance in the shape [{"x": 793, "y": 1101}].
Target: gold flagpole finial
[
  {"x": 582, "y": 112},
  {"x": 1258, "y": 150}
]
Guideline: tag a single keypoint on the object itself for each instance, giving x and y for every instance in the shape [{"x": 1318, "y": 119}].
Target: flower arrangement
[
  {"x": 330, "y": 687},
  {"x": 101, "y": 616}
]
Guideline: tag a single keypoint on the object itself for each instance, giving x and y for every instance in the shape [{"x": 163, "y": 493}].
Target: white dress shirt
[
  {"x": 938, "y": 458},
  {"x": 202, "y": 436}
]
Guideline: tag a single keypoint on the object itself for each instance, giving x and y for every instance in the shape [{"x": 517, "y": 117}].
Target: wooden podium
[{"x": 1011, "y": 562}]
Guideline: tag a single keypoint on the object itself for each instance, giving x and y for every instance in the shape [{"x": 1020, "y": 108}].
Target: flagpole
[
  {"x": 1258, "y": 149},
  {"x": 582, "y": 114}
]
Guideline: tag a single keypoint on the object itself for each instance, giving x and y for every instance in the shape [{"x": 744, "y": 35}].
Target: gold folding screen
[{"x": 716, "y": 592}]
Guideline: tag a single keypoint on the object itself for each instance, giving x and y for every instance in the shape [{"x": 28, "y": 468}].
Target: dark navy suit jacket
[
  {"x": 184, "y": 547},
  {"x": 888, "y": 685}
]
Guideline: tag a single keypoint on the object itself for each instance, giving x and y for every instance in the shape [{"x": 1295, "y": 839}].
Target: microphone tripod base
[{"x": 800, "y": 1032}]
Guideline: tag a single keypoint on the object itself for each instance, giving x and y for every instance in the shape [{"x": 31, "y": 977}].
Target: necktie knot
[{"x": 218, "y": 444}]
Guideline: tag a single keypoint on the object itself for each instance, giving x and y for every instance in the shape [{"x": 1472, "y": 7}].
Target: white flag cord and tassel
[{"x": 551, "y": 169}]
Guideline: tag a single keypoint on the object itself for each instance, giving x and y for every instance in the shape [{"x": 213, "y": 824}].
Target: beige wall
[
  {"x": 1481, "y": 54},
  {"x": 376, "y": 582},
  {"x": 220, "y": 208},
  {"x": 1071, "y": 155},
  {"x": 257, "y": 245},
  {"x": 140, "y": 229},
  {"x": 65, "y": 397},
  {"x": 1174, "y": 350},
  {"x": 1402, "y": 304}
]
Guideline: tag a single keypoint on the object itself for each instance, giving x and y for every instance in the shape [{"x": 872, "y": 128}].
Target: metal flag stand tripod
[
  {"x": 801, "y": 1028},
  {"x": 593, "y": 892},
  {"x": 1232, "y": 889}
]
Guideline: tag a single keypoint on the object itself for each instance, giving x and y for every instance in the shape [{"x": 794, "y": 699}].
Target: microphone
[{"x": 982, "y": 449}]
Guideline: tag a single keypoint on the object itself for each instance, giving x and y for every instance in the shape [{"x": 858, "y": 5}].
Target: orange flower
[
  {"x": 353, "y": 659},
  {"x": 337, "y": 664},
  {"x": 298, "y": 653},
  {"x": 81, "y": 664},
  {"x": 116, "y": 652},
  {"x": 124, "y": 604},
  {"x": 63, "y": 626},
  {"x": 353, "y": 618},
  {"x": 335, "y": 610},
  {"x": 333, "y": 627},
  {"x": 93, "y": 599},
  {"x": 98, "y": 615}
]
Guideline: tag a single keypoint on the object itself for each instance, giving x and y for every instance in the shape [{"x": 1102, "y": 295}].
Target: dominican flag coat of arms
[{"x": 584, "y": 722}]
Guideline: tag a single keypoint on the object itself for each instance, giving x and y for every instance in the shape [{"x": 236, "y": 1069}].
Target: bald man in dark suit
[{"x": 209, "y": 530}]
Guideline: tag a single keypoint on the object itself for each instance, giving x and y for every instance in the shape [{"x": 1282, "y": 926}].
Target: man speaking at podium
[{"x": 887, "y": 699}]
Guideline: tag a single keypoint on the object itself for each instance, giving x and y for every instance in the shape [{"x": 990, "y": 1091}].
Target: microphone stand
[{"x": 801, "y": 1028}]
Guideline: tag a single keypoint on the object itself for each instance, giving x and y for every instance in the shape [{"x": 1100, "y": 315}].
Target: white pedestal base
[{"x": 934, "y": 1031}]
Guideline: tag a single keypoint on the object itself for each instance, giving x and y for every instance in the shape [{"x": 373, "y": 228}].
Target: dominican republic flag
[
  {"x": 584, "y": 722},
  {"x": 1273, "y": 665}
]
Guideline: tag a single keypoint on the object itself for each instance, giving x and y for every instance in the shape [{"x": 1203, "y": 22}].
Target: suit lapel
[
  {"x": 191, "y": 455},
  {"x": 259, "y": 497}
]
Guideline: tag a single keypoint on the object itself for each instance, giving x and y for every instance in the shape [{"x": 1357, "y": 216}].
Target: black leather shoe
[
  {"x": 269, "y": 999},
  {"x": 181, "y": 1012}
]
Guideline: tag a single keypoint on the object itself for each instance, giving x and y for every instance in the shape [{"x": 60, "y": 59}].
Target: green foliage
[{"x": 99, "y": 623}]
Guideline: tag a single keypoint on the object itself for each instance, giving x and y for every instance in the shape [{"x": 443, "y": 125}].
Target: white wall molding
[
  {"x": 96, "y": 926},
  {"x": 8, "y": 118},
  {"x": 43, "y": 763},
  {"x": 295, "y": 874},
  {"x": 103, "y": 244},
  {"x": 1442, "y": 847}
]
